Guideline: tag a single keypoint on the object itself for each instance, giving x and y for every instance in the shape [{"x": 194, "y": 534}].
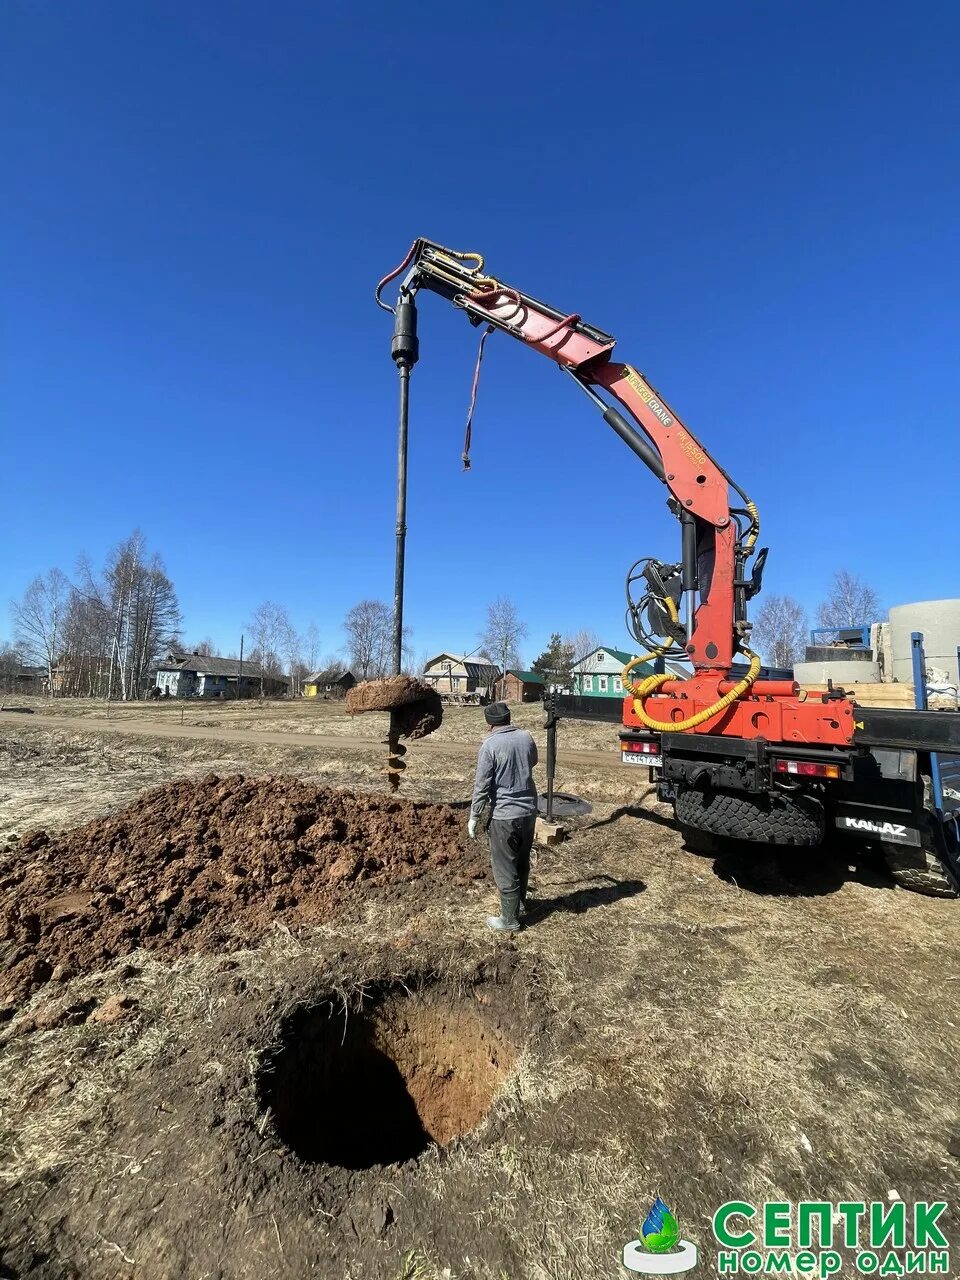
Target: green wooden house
[{"x": 598, "y": 675}]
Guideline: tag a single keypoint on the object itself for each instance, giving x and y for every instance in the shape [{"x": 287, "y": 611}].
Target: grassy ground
[{"x": 755, "y": 1028}]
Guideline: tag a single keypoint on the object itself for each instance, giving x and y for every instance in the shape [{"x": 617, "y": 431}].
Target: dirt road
[{"x": 259, "y": 737}]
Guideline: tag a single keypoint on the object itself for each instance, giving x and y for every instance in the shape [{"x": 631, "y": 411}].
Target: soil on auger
[
  {"x": 208, "y": 865},
  {"x": 416, "y": 708}
]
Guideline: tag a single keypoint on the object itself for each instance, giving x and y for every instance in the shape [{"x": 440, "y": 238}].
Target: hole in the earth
[{"x": 380, "y": 1086}]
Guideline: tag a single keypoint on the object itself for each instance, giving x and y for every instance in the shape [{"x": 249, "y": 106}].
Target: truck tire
[
  {"x": 918, "y": 869},
  {"x": 763, "y": 819}
]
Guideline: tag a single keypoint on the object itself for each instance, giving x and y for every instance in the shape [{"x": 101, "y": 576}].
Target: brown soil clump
[
  {"x": 415, "y": 708},
  {"x": 208, "y": 865}
]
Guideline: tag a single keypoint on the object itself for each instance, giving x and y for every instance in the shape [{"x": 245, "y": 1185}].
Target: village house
[
  {"x": 450, "y": 673},
  {"x": 523, "y": 686},
  {"x": 193, "y": 675},
  {"x": 599, "y": 674},
  {"x": 334, "y": 682}
]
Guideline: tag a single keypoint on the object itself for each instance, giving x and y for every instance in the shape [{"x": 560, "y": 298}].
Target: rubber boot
[
  {"x": 507, "y": 921},
  {"x": 524, "y": 893}
]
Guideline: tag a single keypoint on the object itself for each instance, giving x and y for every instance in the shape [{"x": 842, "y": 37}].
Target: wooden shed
[
  {"x": 332, "y": 683},
  {"x": 523, "y": 686}
]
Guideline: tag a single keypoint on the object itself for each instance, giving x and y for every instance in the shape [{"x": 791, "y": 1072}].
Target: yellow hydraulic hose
[
  {"x": 643, "y": 690},
  {"x": 754, "y": 531},
  {"x": 650, "y": 685}
]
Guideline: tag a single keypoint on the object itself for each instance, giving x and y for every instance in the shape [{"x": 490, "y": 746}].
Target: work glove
[{"x": 472, "y": 827}]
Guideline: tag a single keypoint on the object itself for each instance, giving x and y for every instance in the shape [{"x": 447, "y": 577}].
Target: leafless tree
[
  {"x": 268, "y": 629},
  {"x": 298, "y": 667},
  {"x": 38, "y": 620},
  {"x": 140, "y": 600},
  {"x": 206, "y": 648},
  {"x": 11, "y": 668},
  {"x": 581, "y": 643},
  {"x": 369, "y": 631},
  {"x": 105, "y": 632},
  {"x": 502, "y": 635},
  {"x": 311, "y": 646},
  {"x": 780, "y": 630},
  {"x": 334, "y": 662},
  {"x": 851, "y": 603}
]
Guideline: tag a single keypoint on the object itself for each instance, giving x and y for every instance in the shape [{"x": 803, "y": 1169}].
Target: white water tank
[{"x": 939, "y": 621}]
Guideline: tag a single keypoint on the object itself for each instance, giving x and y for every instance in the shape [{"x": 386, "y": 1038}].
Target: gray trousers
[{"x": 511, "y": 840}]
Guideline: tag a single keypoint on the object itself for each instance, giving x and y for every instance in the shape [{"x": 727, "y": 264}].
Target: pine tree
[{"x": 555, "y": 662}]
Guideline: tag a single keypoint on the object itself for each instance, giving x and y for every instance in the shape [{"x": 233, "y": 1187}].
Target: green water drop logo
[{"x": 660, "y": 1231}]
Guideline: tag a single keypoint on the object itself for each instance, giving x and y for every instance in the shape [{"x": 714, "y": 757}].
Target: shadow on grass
[
  {"x": 795, "y": 872},
  {"x": 773, "y": 870},
  {"x": 630, "y": 811},
  {"x": 581, "y": 900}
]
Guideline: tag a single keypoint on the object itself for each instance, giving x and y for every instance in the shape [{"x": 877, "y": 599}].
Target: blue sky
[{"x": 759, "y": 200}]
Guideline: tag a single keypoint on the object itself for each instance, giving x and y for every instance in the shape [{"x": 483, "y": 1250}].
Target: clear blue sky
[{"x": 759, "y": 200}]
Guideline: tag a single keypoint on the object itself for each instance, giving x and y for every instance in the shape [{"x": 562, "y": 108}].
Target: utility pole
[{"x": 240, "y": 674}]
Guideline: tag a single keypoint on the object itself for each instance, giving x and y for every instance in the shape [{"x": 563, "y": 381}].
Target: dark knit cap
[{"x": 497, "y": 713}]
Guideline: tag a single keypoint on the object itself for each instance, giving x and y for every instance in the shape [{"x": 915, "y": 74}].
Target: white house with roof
[
  {"x": 196, "y": 675},
  {"x": 599, "y": 674}
]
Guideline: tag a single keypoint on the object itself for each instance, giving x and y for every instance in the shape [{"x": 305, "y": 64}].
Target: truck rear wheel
[
  {"x": 764, "y": 819},
  {"x": 921, "y": 868},
  {"x": 918, "y": 869}
]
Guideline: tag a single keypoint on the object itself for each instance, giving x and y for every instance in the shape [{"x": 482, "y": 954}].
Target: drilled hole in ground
[{"x": 380, "y": 1086}]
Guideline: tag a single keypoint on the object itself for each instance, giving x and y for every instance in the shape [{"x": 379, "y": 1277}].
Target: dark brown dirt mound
[{"x": 207, "y": 865}]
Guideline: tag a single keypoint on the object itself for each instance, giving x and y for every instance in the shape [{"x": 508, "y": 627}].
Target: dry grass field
[{"x": 761, "y": 1027}]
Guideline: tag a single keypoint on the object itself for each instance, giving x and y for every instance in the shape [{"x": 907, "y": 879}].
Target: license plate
[{"x": 638, "y": 757}]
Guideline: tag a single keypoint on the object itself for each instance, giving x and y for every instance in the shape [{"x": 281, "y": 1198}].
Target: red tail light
[{"x": 807, "y": 768}]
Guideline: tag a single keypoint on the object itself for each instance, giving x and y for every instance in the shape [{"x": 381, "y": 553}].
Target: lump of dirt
[
  {"x": 415, "y": 708},
  {"x": 208, "y": 865},
  {"x": 380, "y": 1086}
]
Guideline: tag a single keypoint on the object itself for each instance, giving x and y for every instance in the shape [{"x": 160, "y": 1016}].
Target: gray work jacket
[{"x": 505, "y": 773}]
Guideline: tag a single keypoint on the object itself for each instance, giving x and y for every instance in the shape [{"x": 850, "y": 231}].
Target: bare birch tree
[
  {"x": 294, "y": 646},
  {"x": 368, "y": 628},
  {"x": 105, "y": 632},
  {"x": 144, "y": 612},
  {"x": 311, "y": 646},
  {"x": 581, "y": 643},
  {"x": 780, "y": 630},
  {"x": 502, "y": 635},
  {"x": 268, "y": 629},
  {"x": 39, "y": 620},
  {"x": 851, "y": 603}
]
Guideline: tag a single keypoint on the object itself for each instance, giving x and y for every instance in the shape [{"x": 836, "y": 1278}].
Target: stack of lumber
[{"x": 884, "y": 695}]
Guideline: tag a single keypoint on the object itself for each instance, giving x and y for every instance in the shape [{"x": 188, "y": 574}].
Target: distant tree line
[
  {"x": 100, "y": 634},
  {"x": 781, "y": 625}
]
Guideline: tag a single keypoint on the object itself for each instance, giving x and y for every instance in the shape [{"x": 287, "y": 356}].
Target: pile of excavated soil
[{"x": 208, "y": 865}]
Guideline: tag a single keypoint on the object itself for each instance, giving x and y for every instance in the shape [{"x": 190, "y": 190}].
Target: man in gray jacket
[{"x": 505, "y": 781}]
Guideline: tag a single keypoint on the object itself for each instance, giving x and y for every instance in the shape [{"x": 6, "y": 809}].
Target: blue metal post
[
  {"x": 919, "y": 671},
  {"x": 920, "y": 702}
]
